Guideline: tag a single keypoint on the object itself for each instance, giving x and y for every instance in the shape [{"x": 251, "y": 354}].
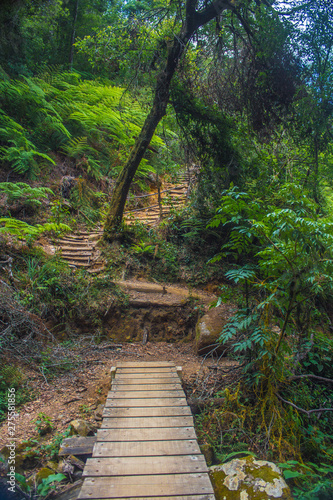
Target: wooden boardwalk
[{"x": 146, "y": 447}]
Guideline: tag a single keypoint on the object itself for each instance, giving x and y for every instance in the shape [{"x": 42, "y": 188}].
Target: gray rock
[
  {"x": 98, "y": 413},
  {"x": 248, "y": 479},
  {"x": 208, "y": 329}
]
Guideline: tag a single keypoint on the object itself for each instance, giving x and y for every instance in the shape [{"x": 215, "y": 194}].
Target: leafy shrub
[{"x": 12, "y": 377}]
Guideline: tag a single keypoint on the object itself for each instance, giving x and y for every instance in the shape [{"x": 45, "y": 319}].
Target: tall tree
[{"x": 192, "y": 15}]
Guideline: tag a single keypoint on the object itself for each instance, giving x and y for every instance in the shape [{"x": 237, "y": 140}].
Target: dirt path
[{"x": 78, "y": 393}]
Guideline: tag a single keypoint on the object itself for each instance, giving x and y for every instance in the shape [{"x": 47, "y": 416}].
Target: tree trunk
[
  {"x": 71, "y": 49},
  {"x": 193, "y": 20},
  {"x": 157, "y": 112}
]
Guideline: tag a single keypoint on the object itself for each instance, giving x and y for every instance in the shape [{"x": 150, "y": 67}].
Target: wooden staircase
[
  {"x": 146, "y": 447},
  {"x": 80, "y": 250},
  {"x": 174, "y": 196}
]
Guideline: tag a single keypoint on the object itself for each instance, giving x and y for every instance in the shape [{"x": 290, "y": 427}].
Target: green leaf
[{"x": 291, "y": 474}]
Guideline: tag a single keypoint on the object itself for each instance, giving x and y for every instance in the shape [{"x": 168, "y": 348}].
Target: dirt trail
[{"x": 77, "y": 394}]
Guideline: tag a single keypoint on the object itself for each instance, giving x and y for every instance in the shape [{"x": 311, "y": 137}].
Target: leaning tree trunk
[
  {"x": 157, "y": 112},
  {"x": 193, "y": 20}
]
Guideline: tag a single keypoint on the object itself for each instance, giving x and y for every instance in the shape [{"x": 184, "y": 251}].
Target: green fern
[
  {"x": 23, "y": 230},
  {"x": 23, "y": 161},
  {"x": 20, "y": 191}
]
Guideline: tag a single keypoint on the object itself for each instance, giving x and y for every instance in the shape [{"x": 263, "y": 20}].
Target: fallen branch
[
  {"x": 307, "y": 412},
  {"x": 316, "y": 377}
]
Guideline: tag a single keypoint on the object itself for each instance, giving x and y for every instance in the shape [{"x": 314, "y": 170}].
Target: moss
[
  {"x": 43, "y": 474},
  {"x": 251, "y": 476}
]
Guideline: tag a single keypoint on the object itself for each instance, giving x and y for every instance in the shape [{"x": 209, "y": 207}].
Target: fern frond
[
  {"x": 22, "y": 191},
  {"x": 23, "y": 230}
]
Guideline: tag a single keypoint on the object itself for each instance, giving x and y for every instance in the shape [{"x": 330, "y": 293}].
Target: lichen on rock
[{"x": 248, "y": 479}]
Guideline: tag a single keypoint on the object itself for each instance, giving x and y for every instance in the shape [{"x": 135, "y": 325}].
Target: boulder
[
  {"x": 208, "y": 329},
  {"x": 248, "y": 479}
]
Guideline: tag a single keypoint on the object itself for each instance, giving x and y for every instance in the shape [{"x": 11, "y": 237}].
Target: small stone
[
  {"x": 98, "y": 413},
  {"x": 80, "y": 427}
]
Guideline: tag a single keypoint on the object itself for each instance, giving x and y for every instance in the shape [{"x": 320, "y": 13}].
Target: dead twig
[{"x": 306, "y": 412}]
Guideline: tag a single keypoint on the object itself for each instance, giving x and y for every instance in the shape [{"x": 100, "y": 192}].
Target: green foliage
[
  {"x": 281, "y": 253},
  {"x": 23, "y": 230},
  {"x": 308, "y": 480},
  {"x": 95, "y": 124},
  {"x": 143, "y": 248},
  {"x": 291, "y": 269},
  {"x": 43, "y": 424},
  {"x": 22, "y": 192},
  {"x": 48, "y": 484},
  {"x": 207, "y": 130},
  {"x": 12, "y": 377}
]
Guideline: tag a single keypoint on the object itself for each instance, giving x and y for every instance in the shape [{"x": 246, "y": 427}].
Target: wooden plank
[
  {"x": 136, "y": 466},
  {"x": 147, "y": 387},
  {"x": 146, "y": 434},
  {"x": 128, "y": 379},
  {"x": 144, "y": 364},
  {"x": 145, "y": 394},
  {"x": 77, "y": 446},
  {"x": 152, "y": 376},
  {"x": 140, "y": 422},
  {"x": 134, "y": 371},
  {"x": 150, "y": 411},
  {"x": 146, "y": 448},
  {"x": 136, "y": 486},
  {"x": 130, "y": 403}
]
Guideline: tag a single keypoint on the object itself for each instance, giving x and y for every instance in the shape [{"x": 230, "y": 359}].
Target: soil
[{"x": 77, "y": 394}]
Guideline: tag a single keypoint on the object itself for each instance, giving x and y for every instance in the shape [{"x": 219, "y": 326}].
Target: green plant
[
  {"x": 22, "y": 192},
  {"x": 43, "y": 424},
  {"x": 143, "y": 248},
  {"x": 51, "y": 449},
  {"x": 22, "y": 230},
  {"x": 12, "y": 377},
  {"x": 85, "y": 410},
  {"x": 308, "y": 480},
  {"x": 50, "y": 483}
]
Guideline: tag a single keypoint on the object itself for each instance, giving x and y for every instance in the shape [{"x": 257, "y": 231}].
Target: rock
[
  {"x": 80, "y": 427},
  {"x": 43, "y": 474},
  {"x": 70, "y": 492},
  {"x": 98, "y": 413},
  {"x": 208, "y": 329},
  {"x": 208, "y": 452},
  {"x": 248, "y": 479}
]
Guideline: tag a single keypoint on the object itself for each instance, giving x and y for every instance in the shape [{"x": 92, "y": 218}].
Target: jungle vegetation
[{"x": 122, "y": 91}]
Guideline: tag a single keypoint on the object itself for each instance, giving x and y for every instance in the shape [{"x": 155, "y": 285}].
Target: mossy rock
[
  {"x": 248, "y": 479},
  {"x": 24, "y": 459},
  {"x": 37, "y": 478}
]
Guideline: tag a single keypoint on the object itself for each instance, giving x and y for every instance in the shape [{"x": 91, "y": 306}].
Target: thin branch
[
  {"x": 316, "y": 377},
  {"x": 307, "y": 412}
]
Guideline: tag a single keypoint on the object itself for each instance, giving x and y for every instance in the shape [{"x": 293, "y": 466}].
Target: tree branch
[
  {"x": 307, "y": 412},
  {"x": 316, "y": 377}
]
